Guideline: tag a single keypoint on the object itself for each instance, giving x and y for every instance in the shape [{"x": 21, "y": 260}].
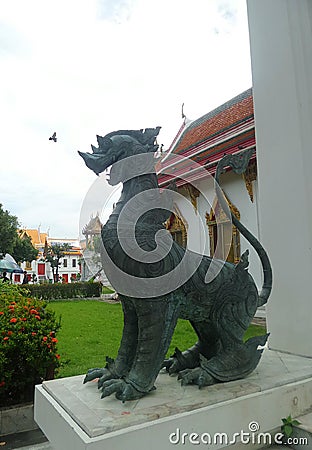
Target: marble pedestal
[{"x": 74, "y": 417}]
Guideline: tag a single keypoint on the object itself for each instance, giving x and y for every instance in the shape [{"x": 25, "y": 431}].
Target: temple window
[
  {"x": 177, "y": 229},
  {"x": 223, "y": 235}
]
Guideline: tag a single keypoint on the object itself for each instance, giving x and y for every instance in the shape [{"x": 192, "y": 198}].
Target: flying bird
[{"x": 53, "y": 137}]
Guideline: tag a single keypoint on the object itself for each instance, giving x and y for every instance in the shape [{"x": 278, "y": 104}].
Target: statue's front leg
[
  {"x": 121, "y": 365},
  {"x": 157, "y": 319}
]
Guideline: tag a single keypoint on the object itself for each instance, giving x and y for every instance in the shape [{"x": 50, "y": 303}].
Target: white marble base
[{"x": 73, "y": 416}]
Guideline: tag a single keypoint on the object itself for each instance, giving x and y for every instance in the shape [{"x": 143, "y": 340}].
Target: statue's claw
[
  {"x": 106, "y": 375},
  {"x": 175, "y": 363},
  {"x": 92, "y": 374},
  {"x": 172, "y": 365},
  {"x": 180, "y": 361},
  {"x": 189, "y": 376},
  {"x": 111, "y": 386},
  {"x": 123, "y": 390},
  {"x": 196, "y": 376},
  {"x": 103, "y": 374}
]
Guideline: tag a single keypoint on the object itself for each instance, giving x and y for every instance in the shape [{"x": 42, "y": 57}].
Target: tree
[
  {"x": 53, "y": 255},
  {"x": 24, "y": 250},
  {"x": 8, "y": 227}
]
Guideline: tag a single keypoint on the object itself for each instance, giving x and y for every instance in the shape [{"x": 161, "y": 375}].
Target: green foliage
[
  {"x": 10, "y": 242},
  {"x": 53, "y": 255},
  {"x": 254, "y": 330},
  {"x": 23, "y": 250},
  {"x": 64, "y": 290},
  {"x": 97, "y": 243},
  {"x": 78, "y": 277},
  {"x": 8, "y": 235},
  {"x": 28, "y": 344},
  {"x": 288, "y": 424}
]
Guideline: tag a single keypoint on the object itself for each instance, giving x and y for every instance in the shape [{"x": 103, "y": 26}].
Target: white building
[
  {"x": 228, "y": 129},
  {"x": 40, "y": 270}
]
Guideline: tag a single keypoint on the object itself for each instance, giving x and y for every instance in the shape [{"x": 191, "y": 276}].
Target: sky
[{"x": 87, "y": 67}]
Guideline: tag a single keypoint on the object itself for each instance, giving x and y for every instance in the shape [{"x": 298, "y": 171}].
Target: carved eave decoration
[
  {"x": 175, "y": 223},
  {"x": 93, "y": 227},
  {"x": 249, "y": 176},
  {"x": 193, "y": 193},
  {"x": 217, "y": 214}
]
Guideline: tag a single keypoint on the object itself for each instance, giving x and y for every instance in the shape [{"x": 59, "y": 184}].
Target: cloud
[
  {"x": 116, "y": 10},
  {"x": 228, "y": 11},
  {"x": 11, "y": 41},
  {"x": 87, "y": 67}
]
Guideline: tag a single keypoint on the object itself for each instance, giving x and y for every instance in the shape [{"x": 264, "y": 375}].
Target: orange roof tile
[
  {"x": 36, "y": 237},
  {"x": 227, "y": 116},
  {"x": 225, "y": 130}
]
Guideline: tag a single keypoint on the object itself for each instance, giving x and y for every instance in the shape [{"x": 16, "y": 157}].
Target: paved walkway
[
  {"x": 45, "y": 446},
  {"x": 26, "y": 440}
]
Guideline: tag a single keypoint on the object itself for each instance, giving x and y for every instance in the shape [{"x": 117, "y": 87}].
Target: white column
[{"x": 281, "y": 54}]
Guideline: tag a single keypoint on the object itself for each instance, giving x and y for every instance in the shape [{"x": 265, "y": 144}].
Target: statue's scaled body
[{"x": 220, "y": 310}]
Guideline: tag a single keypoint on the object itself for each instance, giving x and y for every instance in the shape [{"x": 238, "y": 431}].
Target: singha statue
[{"x": 139, "y": 257}]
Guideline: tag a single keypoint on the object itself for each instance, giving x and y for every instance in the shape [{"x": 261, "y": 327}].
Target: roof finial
[{"x": 183, "y": 115}]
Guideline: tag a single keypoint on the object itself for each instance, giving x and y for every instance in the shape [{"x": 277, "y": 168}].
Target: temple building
[
  {"x": 92, "y": 266},
  {"x": 91, "y": 229},
  {"x": 190, "y": 162},
  {"x": 40, "y": 270}
]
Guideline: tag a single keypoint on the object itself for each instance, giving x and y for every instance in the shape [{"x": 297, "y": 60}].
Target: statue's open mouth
[{"x": 96, "y": 162}]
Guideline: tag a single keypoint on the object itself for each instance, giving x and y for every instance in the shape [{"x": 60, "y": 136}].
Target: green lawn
[
  {"x": 107, "y": 290},
  {"x": 92, "y": 329}
]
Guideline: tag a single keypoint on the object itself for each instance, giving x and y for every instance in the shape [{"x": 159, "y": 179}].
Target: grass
[
  {"x": 92, "y": 329},
  {"x": 107, "y": 290}
]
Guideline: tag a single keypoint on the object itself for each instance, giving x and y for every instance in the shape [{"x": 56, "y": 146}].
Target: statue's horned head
[{"x": 119, "y": 145}]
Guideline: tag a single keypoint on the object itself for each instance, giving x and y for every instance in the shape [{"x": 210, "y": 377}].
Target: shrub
[
  {"x": 62, "y": 291},
  {"x": 28, "y": 344}
]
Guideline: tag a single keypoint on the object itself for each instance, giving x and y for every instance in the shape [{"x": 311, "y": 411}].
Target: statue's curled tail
[{"x": 239, "y": 164}]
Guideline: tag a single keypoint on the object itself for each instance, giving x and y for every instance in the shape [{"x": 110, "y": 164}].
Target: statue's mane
[{"x": 145, "y": 137}]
